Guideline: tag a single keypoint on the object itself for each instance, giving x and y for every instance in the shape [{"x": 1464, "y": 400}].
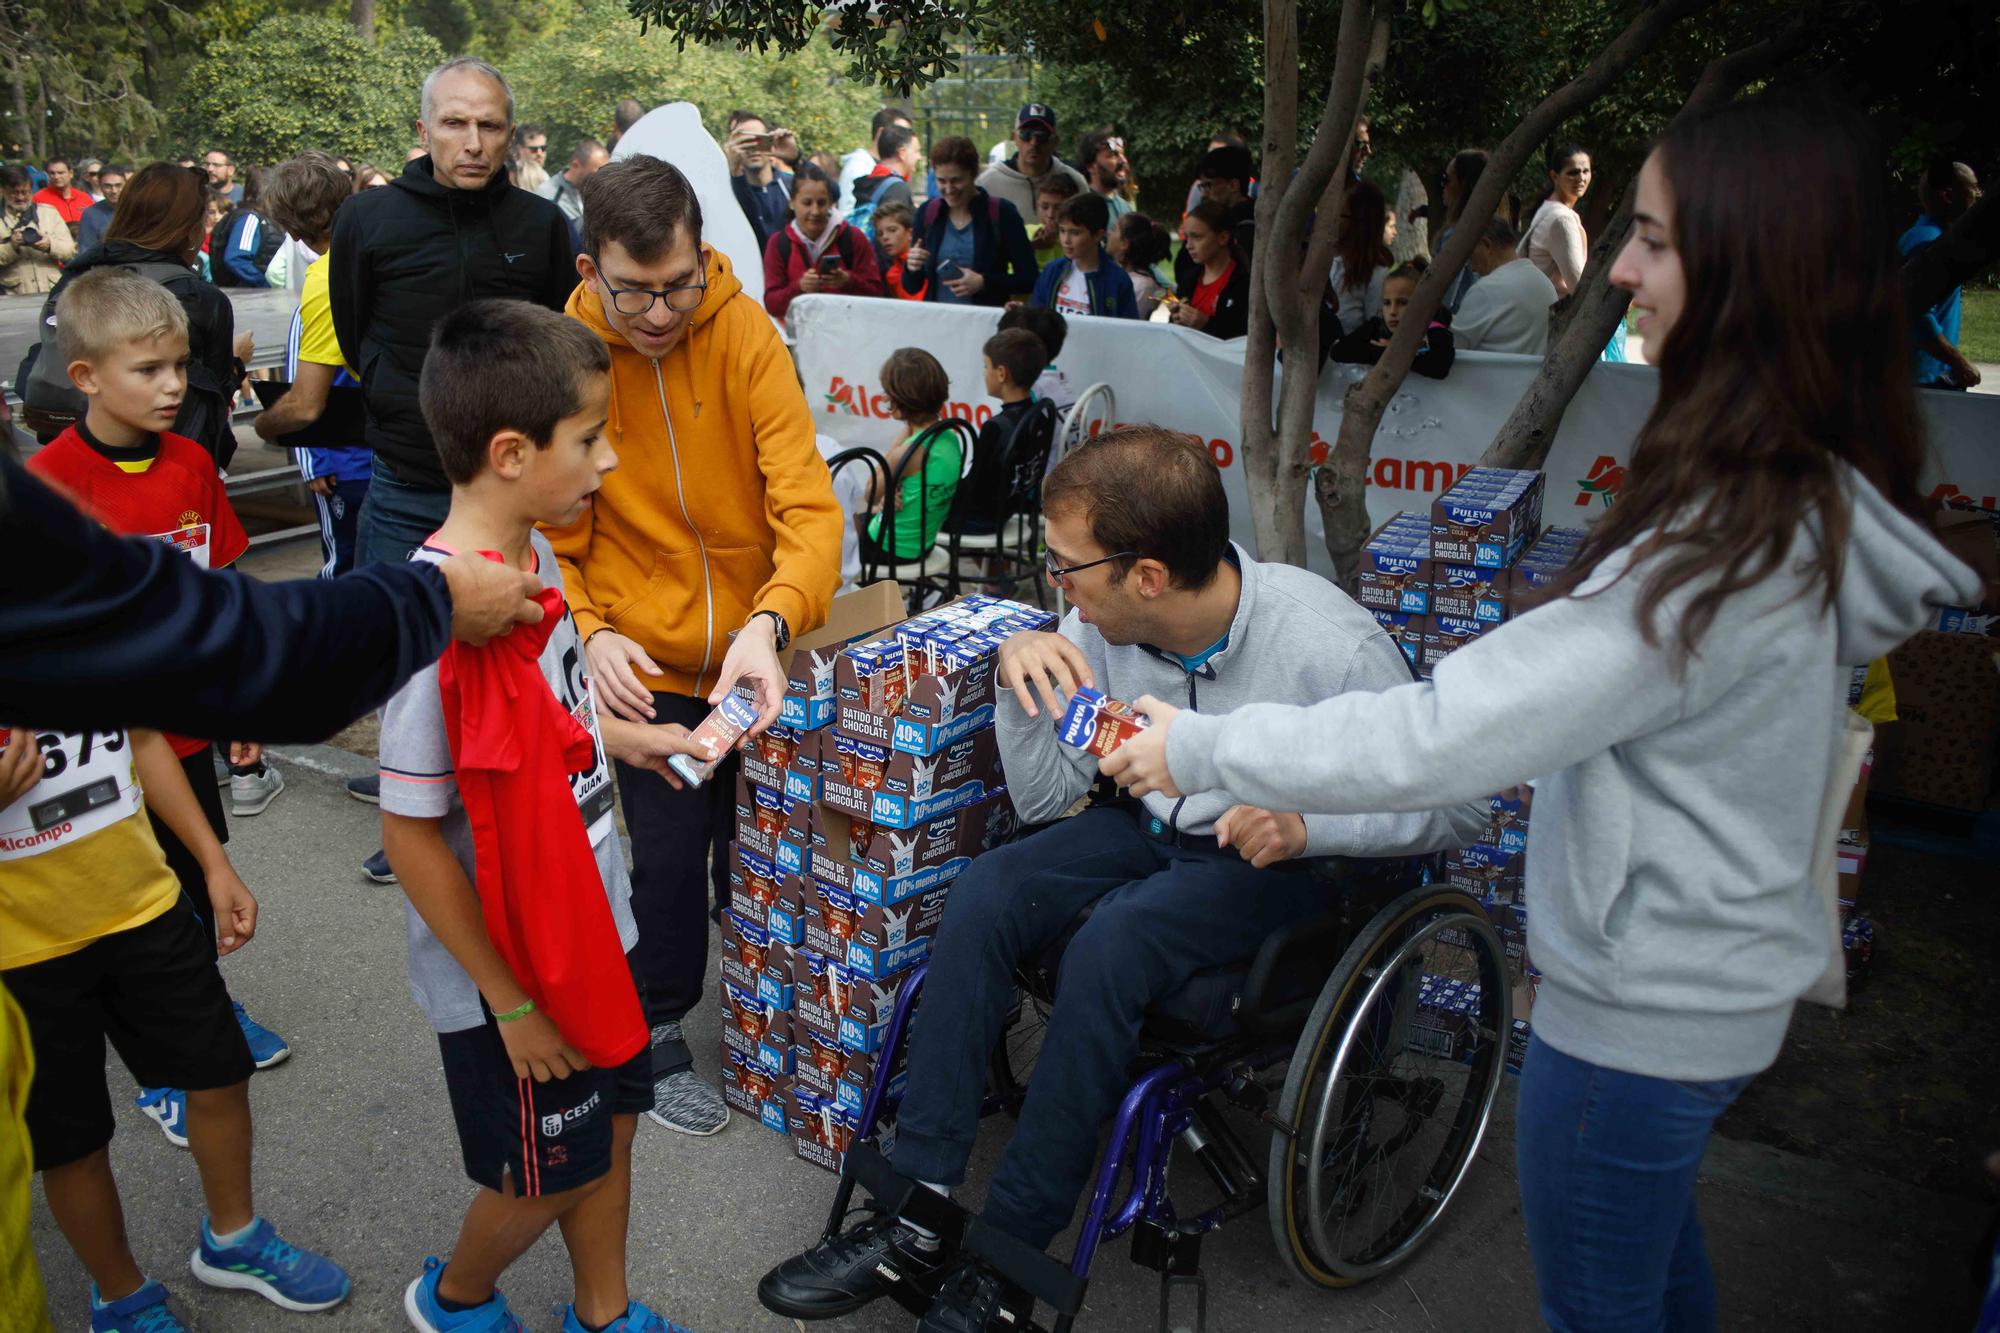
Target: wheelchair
[{"x": 1390, "y": 1066}]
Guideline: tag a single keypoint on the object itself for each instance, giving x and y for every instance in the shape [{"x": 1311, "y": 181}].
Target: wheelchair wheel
[
  {"x": 1390, "y": 1089},
  {"x": 1015, "y": 1054}
]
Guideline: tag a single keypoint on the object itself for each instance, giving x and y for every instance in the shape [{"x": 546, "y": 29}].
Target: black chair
[
  {"x": 880, "y": 560},
  {"x": 998, "y": 519}
]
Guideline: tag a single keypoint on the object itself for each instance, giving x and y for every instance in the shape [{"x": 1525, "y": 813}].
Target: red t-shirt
[
  {"x": 176, "y": 497},
  {"x": 72, "y": 208},
  {"x": 1206, "y": 294}
]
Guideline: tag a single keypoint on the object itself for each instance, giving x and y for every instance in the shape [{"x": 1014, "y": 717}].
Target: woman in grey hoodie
[{"x": 1678, "y": 710}]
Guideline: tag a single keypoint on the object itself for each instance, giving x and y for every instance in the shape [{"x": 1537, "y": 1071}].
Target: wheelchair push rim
[{"x": 1387, "y": 1072}]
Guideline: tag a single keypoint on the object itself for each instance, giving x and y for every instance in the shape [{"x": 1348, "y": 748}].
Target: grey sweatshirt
[
  {"x": 1005, "y": 180},
  {"x": 1670, "y": 907},
  {"x": 1295, "y": 639}
]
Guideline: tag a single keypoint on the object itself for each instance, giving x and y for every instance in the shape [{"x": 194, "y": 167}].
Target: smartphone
[
  {"x": 950, "y": 271},
  {"x": 763, "y": 143},
  {"x": 829, "y": 265}
]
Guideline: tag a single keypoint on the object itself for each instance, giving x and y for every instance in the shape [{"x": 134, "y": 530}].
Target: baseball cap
[{"x": 1037, "y": 111}]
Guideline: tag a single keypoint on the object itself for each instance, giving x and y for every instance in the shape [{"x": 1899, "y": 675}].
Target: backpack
[
  {"x": 862, "y": 216},
  {"x": 269, "y": 240},
  {"x": 52, "y": 404}
]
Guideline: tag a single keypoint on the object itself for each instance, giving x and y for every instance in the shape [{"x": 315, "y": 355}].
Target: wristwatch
[{"x": 784, "y": 635}]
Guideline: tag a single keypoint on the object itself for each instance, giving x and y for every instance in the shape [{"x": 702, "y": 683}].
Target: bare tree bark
[
  {"x": 1592, "y": 314},
  {"x": 362, "y": 12},
  {"x": 1283, "y": 296},
  {"x": 1341, "y": 485}
]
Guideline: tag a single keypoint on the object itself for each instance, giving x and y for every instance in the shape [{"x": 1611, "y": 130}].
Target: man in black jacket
[{"x": 449, "y": 230}]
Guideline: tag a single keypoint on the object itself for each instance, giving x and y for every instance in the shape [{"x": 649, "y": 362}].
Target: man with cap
[{"x": 1019, "y": 178}]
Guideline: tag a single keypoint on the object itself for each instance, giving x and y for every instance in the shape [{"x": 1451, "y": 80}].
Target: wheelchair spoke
[{"x": 1396, "y": 1110}]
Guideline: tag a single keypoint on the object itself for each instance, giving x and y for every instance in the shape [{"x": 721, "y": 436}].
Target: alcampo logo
[
  {"x": 854, "y": 398},
  {"x": 1606, "y": 476}
]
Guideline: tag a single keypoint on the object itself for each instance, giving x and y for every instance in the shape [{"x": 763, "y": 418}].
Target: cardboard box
[
  {"x": 1487, "y": 517},
  {"x": 808, "y": 660},
  {"x": 753, "y": 883},
  {"x": 1487, "y": 873},
  {"x": 859, "y": 1077},
  {"x": 1943, "y": 747},
  {"x": 875, "y": 941},
  {"x": 886, "y": 866},
  {"x": 748, "y": 1088},
  {"x": 1405, "y": 631},
  {"x": 747, "y": 1027},
  {"x": 1444, "y": 635},
  {"x": 1466, "y": 591},
  {"x": 1392, "y": 560},
  {"x": 915, "y": 789},
  {"x": 745, "y": 949},
  {"x": 934, "y": 711},
  {"x": 820, "y": 1131}
]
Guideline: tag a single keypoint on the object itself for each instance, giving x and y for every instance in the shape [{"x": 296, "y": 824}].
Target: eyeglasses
[
  {"x": 1057, "y": 573},
  {"x": 536, "y": 147},
  {"x": 635, "y": 301},
  {"x": 1035, "y": 136},
  {"x": 213, "y": 163}
]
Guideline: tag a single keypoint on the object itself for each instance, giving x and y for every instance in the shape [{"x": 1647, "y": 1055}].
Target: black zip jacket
[
  {"x": 405, "y": 257},
  {"x": 105, "y": 631}
]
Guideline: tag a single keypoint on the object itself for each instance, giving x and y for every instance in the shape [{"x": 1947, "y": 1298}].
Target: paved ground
[{"x": 356, "y": 1155}]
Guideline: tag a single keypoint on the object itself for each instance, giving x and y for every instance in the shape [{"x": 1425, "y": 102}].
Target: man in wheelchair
[{"x": 1161, "y": 603}]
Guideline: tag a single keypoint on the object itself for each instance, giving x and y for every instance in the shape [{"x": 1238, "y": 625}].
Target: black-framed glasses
[
  {"x": 1057, "y": 573},
  {"x": 635, "y": 301}
]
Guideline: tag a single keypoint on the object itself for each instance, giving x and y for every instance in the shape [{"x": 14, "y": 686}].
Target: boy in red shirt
[
  {"x": 128, "y": 959},
  {"x": 122, "y": 465}
]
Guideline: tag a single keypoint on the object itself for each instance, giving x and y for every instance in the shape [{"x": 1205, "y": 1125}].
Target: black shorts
[
  {"x": 200, "y": 770},
  {"x": 550, "y": 1136},
  {"x": 155, "y": 992}
]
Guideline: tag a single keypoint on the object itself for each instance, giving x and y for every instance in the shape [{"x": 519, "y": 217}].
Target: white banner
[{"x": 1433, "y": 430}]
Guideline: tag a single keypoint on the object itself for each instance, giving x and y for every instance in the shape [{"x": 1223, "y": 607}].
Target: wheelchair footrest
[
  {"x": 1028, "y": 1268},
  {"x": 909, "y": 1199},
  {"x": 1176, "y": 1256}
]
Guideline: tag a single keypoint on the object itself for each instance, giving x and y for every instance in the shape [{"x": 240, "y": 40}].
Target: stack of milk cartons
[{"x": 851, "y": 828}]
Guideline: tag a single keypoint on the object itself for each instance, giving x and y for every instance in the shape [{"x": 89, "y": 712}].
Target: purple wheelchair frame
[{"x": 1160, "y": 1105}]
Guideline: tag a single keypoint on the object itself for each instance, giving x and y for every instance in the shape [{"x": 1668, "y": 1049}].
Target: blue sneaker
[
  {"x": 167, "y": 1108},
  {"x": 267, "y": 1048},
  {"x": 420, "y": 1303},
  {"x": 377, "y": 868},
  {"x": 285, "y": 1275},
  {"x": 144, "y": 1311},
  {"x": 636, "y": 1319}
]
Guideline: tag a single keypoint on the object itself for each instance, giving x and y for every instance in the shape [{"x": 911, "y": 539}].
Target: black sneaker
[
  {"x": 838, "y": 1276},
  {"x": 367, "y": 788},
  {"x": 975, "y": 1299}
]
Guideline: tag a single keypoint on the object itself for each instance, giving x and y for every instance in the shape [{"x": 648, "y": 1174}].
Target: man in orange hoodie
[{"x": 715, "y": 542}]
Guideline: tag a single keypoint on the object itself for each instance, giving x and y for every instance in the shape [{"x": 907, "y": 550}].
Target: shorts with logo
[
  {"x": 550, "y": 1136},
  {"x": 156, "y": 993}
]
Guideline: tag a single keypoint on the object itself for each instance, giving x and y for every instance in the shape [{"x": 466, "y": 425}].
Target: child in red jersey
[
  {"x": 127, "y": 960},
  {"x": 125, "y": 467}
]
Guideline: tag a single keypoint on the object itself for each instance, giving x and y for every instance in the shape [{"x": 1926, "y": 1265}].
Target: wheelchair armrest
[{"x": 1285, "y": 978}]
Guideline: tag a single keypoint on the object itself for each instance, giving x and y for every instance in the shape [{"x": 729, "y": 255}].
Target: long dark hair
[
  {"x": 1146, "y": 242},
  {"x": 1360, "y": 246},
  {"x": 1789, "y": 357},
  {"x": 160, "y": 209},
  {"x": 1216, "y": 218}
]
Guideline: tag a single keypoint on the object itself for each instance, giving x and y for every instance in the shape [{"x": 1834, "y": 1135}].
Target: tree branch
[
  {"x": 1594, "y": 310},
  {"x": 1342, "y": 485}
]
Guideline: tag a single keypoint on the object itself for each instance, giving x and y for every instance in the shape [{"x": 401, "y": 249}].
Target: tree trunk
[
  {"x": 1341, "y": 486},
  {"x": 362, "y": 12},
  {"x": 1592, "y": 314},
  {"x": 1283, "y": 300}
]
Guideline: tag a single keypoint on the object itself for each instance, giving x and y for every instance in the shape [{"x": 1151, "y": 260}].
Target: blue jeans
[
  {"x": 1162, "y": 914},
  {"x": 1607, "y": 1162},
  {"x": 397, "y": 517}
]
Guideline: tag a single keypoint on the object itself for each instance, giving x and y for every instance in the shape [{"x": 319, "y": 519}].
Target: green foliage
[
  {"x": 898, "y": 44},
  {"x": 295, "y": 81},
  {"x": 571, "y": 80}
]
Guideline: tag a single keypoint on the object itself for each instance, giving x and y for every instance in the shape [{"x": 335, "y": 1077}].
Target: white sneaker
[{"x": 249, "y": 793}]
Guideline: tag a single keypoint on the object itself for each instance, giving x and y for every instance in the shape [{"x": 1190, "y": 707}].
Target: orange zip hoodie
[{"x": 721, "y": 505}]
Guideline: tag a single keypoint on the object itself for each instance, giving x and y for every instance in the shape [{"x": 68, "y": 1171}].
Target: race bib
[
  {"x": 87, "y": 784},
  {"x": 592, "y": 788},
  {"x": 191, "y": 541}
]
